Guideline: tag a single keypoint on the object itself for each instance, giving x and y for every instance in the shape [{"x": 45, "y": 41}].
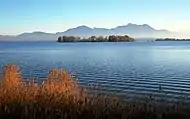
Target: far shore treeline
[
  {"x": 172, "y": 39},
  {"x": 111, "y": 38}
]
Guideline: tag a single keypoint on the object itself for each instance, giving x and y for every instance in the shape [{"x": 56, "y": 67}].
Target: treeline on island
[
  {"x": 172, "y": 39},
  {"x": 111, "y": 38}
]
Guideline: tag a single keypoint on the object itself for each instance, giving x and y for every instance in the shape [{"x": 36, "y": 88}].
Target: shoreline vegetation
[
  {"x": 60, "y": 97},
  {"x": 172, "y": 39},
  {"x": 111, "y": 38}
]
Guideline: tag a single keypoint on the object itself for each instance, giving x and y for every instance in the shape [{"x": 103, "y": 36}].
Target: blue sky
[{"x": 18, "y": 16}]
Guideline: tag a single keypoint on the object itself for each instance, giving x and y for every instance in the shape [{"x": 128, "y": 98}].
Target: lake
[{"x": 161, "y": 69}]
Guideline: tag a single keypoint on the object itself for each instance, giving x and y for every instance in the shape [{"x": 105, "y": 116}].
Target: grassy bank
[{"x": 60, "y": 97}]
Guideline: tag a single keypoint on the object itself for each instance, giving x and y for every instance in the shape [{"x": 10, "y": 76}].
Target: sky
[{"x": 18, "y": 16}]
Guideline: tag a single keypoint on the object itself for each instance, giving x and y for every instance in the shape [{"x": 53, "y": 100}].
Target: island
[
  {"x": 172, "y": 39},
  {"x": 112, "y": 38}
]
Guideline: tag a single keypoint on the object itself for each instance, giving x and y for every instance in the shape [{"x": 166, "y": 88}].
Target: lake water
[{"x": 136, "y": 68}]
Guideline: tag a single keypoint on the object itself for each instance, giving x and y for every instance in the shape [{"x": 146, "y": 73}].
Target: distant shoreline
[
  {"x": 172, "y": 39},
  {"x": 112, "y": 38}
]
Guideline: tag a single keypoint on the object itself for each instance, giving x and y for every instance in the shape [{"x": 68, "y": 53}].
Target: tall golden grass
[
  {"x": 60, "y": 96},
  {"x": 57, "y": 86}
]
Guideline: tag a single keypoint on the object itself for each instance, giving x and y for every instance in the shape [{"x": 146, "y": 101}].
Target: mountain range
[{"x": 133, "y": 30}]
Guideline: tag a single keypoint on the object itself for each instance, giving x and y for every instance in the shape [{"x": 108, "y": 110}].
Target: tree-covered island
[{"x": 111, "y": 38}]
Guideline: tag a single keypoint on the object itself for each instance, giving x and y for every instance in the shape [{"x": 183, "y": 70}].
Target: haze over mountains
[{"x": 133, "y": 30}]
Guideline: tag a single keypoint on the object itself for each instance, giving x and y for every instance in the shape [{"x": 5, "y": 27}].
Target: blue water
[{"x": 136, "y": 68}]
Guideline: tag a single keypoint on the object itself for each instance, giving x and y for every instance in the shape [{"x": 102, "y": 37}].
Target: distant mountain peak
[
  {"x": 83, "y": 27},
  {"x": 147, "y": 26},
  {"x": 39, "y": 32},
  {"x": 131, "y": 24},
  {"x": 136, "y": 26}
]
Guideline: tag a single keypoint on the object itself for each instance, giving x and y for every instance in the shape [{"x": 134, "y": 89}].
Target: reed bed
[{"x": 60, "y": 97}]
